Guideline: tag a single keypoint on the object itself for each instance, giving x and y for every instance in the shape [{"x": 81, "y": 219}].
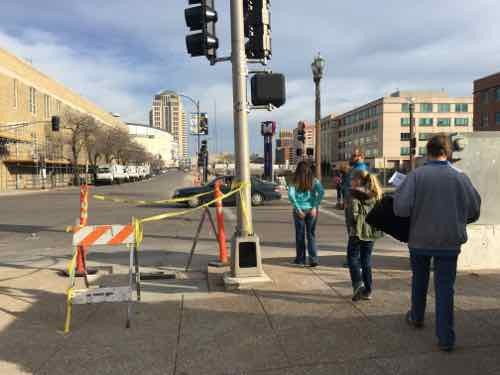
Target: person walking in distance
[
  {"x": 365, "y": 192},
  {"x": 305, "y": 194},
  {"x": 440, "y": 201}
]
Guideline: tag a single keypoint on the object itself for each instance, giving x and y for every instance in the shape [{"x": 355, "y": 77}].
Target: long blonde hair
[{"x": 370, "y": 181}]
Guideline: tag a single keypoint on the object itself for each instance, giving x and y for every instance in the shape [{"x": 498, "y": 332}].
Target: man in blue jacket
[{"x": 440, "y": 201}]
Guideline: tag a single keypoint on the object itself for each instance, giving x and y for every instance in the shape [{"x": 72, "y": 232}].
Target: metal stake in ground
[{"x": 206, "y": 212}]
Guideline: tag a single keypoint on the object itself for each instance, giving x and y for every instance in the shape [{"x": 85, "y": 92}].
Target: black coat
[{"x": 383, "y": 218}]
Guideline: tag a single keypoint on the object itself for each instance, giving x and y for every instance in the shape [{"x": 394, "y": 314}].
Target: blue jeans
[
  {"x": 445, "y": 272},
  {"x": 305, "y": 228},
  {"x": 359, "y": 258}
]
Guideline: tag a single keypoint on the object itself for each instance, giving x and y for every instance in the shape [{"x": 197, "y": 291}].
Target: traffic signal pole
[{"x": 244, "y": 225}]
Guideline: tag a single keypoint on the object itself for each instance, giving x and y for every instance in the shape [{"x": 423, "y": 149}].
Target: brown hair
[
  {"x": 438, "y": 146},
  {"x": 370, "y": 181},
  {"x": 304, "y": 177}
]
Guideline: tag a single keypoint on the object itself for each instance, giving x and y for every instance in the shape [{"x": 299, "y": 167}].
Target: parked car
[{"x": 262, "y": 191}]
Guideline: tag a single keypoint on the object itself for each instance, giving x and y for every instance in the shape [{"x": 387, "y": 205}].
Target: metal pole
[
  {"x": 412, "y": 137},
  {"x": 317, "y": 133},
  {"x": 198, "y": 133},
  {"x": 244, "y": 226}
]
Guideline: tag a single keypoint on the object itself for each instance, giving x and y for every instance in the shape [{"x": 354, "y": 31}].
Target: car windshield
[{"x": 103, "y": 170}]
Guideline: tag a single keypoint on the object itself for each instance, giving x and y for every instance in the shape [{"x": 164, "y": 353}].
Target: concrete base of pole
[
  {"x": 239, "y": 283},
  {"x": 218, "y": 264}
]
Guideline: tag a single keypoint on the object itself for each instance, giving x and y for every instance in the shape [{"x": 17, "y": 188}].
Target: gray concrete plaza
[{"x": 302, "y": 323}]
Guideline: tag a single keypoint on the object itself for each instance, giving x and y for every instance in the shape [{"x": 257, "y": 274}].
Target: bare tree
[{"x": 78, "y": 128}]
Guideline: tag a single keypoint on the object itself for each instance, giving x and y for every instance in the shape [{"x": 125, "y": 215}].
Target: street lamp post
[
  {"x": 413, "y": 140},
  {"x": 318, "y": 67},
  {"x": 197, "y": 105}
]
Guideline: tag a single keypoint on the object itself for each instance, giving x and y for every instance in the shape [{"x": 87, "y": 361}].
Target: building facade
[
  {"x": 31, "y": 155},
  {"x": 168, "y": 114},
  {"x": 381, "y": 128},
  {"x": 157, "y": 142},
  {"x": 487, "y": 103},
  {"x": 284, "y": 147},
  {"x": 328, "y": 139}
]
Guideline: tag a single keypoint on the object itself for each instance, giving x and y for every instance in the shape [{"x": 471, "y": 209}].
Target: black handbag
[{"x": 383, "y": 218}]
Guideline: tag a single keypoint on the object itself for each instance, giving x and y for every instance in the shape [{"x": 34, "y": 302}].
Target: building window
[
  {"x": 484, "y": 96},
  {"x": 405, "y": 151},
  {"x": 425, "y": 122},
  {"x": 405, "y": 107},
  {"x": 444, "y": 108},
  {"x": 422, "y": 151},
  {"x": 32, "y": 100},
  {"x": 461, "y": 122},
  {"x": 461, "y": 107},
  {"x": 405, "y": 136},
  {"x": 444, "y": 122},
  {"x": 497, "y": 118},
  {"x": 424, "y": 136},
  {"x": 405, "y": 121},
  {"x": 484, "y": 119},
  {"x": 497, "y": 94},
  {"x": 46, "y": 106},
  {"x": 426, "y": 107},
  {"x": 15, "y": 101},
  {"x": 375, "y": 124}
]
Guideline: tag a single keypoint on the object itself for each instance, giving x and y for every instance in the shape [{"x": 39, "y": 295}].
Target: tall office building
[{"x": 168, "y": 114}]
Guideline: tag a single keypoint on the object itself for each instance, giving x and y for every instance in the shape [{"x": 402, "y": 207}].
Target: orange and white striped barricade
[{"x": 105, "y": 235}]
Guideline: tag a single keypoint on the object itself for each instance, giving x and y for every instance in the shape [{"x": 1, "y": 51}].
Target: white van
[
  {"x": 104, "y": 174},
  {"x": 120, "y": 173},
  {"x": 132, "y": 173}
]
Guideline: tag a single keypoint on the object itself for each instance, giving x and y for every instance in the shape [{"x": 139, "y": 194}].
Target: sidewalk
[{"x": 303, "y": 323}]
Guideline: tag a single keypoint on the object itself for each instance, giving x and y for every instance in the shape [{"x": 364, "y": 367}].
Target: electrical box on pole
[
  {"x": 201, "y": 19},
  {"x": 257, "y": 17},
  {"x": 268, "y": 88}
]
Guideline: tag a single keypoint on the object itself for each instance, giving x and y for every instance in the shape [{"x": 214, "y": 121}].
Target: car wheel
[
  {"x": 257, "y": 199},
  {"x": 192, "y": 203}
]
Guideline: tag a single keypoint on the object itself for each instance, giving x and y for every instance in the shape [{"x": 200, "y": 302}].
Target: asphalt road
[{"x": 33, "y": 225}]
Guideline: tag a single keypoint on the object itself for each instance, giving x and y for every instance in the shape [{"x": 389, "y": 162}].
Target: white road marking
[{"x": 332, "y": 214}]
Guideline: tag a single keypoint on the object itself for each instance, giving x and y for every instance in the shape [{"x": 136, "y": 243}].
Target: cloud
[{"x": 119, "y": 53}]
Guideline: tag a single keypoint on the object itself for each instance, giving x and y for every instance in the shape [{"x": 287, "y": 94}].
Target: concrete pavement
[{"x": 303, "y": 323}]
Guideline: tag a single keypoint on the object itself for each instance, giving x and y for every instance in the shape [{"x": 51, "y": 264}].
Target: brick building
[
  {"x": 33, "y": 156},
  {"x": 487, "y": 103}
]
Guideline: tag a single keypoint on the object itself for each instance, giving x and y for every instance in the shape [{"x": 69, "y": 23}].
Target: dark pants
[
  {"x": 305, "y": 228},
  {"x": 339, "y": 194},
  {"x": 445, "y": 271},
  {"x": 359, "y": 258}
]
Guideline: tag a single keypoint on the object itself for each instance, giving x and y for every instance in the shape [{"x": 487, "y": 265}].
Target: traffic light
[
  {"x": 204, "y": 147},
  {"x": 310, "y": 151},
  {"x": 268, "y": 88},
  {"x": 299, "y": 152},
  {"x": 56, "y": 121},
  {"x": 201, "y": 20},
  {"x": 203, "y": 130},
  {"x": 257, "y": 29}
]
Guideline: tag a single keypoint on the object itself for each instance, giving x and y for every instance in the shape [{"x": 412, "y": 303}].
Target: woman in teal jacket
[{"x": 305, "y": 194}]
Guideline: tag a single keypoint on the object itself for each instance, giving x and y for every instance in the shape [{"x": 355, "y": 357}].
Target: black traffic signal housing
[
  {"x": 56, "y": 122},
  {"x": 301, "y": 136},
  {"x": 310, "y": 151},
  {"x": 268, "y": 88},
  {"x": 203, "y": 130},
  {"x": 204, "y": 147},
  {"x": 201, "y": 20},
  {"x": 299, "y": 152},
  {"x": 257, "y": 29}
]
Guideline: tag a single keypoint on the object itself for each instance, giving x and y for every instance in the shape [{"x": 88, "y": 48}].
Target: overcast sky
[{"x": 118, "y": 53}]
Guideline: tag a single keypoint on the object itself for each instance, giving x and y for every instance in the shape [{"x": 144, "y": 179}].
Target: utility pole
[{"x": 244, "y": 225}]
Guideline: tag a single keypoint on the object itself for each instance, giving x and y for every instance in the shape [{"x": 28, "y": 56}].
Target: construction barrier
[
  {"x": 84, "y": 206},
  {"x": 104, "y": 235},
  {"x": 221, "y": 234}
]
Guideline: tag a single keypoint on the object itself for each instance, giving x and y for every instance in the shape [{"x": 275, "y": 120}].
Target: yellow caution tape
[
  {"x": 170, "y": 215},
  {"x": 142, "y": 202}
]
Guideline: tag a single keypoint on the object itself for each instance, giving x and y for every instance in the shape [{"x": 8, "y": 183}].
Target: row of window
[
  {"x": 369, "y": 153},
  {"x": 421, "y": 136},
  {"x": 32, "y": 101},
  {"x": 484, "y": 119},
  {"x": 358, "y": 142},
  {"x": 405, "y": 121},
  {"x": 405, "y": 151},
  {"x": 484, "y": 96},
  {"x": 361, "y": 115},
  {"x": 441, "y": 107},
  {"x": 371, "y": 125}
]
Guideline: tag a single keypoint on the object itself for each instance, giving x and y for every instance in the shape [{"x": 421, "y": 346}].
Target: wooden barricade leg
[{"x": 195, "y": 242}]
